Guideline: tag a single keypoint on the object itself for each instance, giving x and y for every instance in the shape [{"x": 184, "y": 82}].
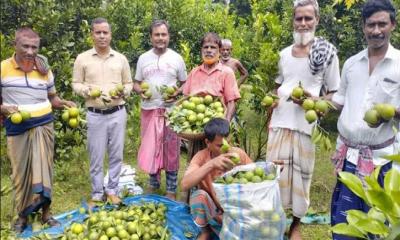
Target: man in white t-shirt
[
  {"x": 160, "y": 146},
  {"x": 372, "y": 76},
  {"x": 289, "y": 141}
]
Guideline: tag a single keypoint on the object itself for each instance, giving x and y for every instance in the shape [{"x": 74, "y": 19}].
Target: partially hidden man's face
[
  {"x": 377, "y": 29},
  {"x": 26, "y": 48},
  {"x": 304, "y": 24},
  {"x": 101, "y": 35},
  {"x": 210, "y": 52},
  {"x": 160, "y": 38},
  {"x": 215, "y": 146},
  {"x": 226, "y": 51}
]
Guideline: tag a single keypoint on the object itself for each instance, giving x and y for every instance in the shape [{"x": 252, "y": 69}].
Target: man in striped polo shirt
[{"x": 27, "y": 84}]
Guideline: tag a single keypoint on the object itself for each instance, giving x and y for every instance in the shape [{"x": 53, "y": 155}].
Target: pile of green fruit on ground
[{"x": 144, "y": 222}]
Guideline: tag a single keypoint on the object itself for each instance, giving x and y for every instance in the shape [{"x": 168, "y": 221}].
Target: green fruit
[
  {"x": 297, "y": 92},
  {"x": 275, "y": 217},
  {"x": 103, "y": 237},
  {"x": 144, "y": 86},
  {"x": 82, "y": 210},
  {"x": 16, "y": 118},
  {"x": 225, "y": 146},
  {"x": 229, "y": 179},
  {"x": 308, "y": 104},
  {"x": 200, "y": 108},
  {"x": 256, "y": 179},
  {"x": 95, "y": 93},
  {"x": 217, "y": 105},
  {"x": 134, "y": 237},
  {"x": 208, "y": 99},
  {"x": 235, "y": 158},
  {"x": 267, "y": 101},
  {"x": 123, "y": 234},
  {"x": 119, "y": 87},
  {"x": 371, "y": 117},
  {"x": 192, "y": 118},
  {"x": 111, "y": 232},
  {"x": 25, "y": 115},
  {"x": 321, "y": 106},
  {"x": 249, "y": 175},
  {"x": 311, "y": 116},
  {"x": 131, "y": 227},
  {"x": 93, "y": 236},
  {"x": 387, "y": 111},
  {"x": 73, "y": 122},
  {"x": 73, "y": 112},
  {"x": 93, "y": 220},
  {"x": 77, "y": 228},
  {"x": 148, "y": 93},
  {"x": 113, "y": 93},
  {"x": 170, "y": 90},
  {"x": 270, "y": 176},
  {"x": 200, "y": 117},
  {"x": 259, "y": 171},
  {"x": 185, "y": 104}
]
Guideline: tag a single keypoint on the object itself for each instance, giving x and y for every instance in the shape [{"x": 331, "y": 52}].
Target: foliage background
[{"x": 257, "y": 28}]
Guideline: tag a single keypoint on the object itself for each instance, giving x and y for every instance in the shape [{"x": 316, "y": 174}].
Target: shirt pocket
[{"x": 388, "y": 87}]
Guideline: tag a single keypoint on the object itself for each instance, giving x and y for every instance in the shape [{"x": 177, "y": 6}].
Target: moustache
[{"x": 376, "y": 37}]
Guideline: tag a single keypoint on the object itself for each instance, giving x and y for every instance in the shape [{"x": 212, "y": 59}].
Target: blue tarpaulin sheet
[{"x": 179, "y": 220}]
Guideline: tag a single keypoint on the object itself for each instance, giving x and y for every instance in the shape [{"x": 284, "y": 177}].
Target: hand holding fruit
[
  {"x": 223, "y": 162},
  {"x": 169, "y": 93},
  {"x": 7, "y": 110},
  {"x": 299, "y": 94},
  {"x": 381, "y": 112},
  {"x": 117, "y": 92},
  {"x": 315, "y": 109},
  {"x": 146, "y": 92},
  {"x": 270, "y": 101}
]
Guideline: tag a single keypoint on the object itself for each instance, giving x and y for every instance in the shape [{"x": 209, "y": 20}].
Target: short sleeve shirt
[
  {"x": 219, "y": 82},
  {"x": 159, "y": 70}
]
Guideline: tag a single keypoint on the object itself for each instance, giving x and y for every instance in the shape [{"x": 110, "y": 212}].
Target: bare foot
[{"x": 294, "y": 233}]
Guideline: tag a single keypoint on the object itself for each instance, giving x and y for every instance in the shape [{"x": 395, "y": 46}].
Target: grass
[{"x": 72, "y": 185}]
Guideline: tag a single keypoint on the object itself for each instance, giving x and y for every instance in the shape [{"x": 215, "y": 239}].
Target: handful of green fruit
[
  {"x": 71, "y": 117},
  {"x": 146, "y": 90},
  {"x": 118, "y": 90},
  {"x": 316, "y": 109},
  {"x": 256, "y": 175},
  {"x": 168, "y": 92},
  {"x": 19, "y": 117},
  {"x": 135, "y": 222},
  {"x": 269, "y": 99},
  {"x": 380, "y": 112},
  {"x": 190, "y": 115}
]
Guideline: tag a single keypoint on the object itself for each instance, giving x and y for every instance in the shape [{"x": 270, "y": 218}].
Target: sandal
[
  {"x": 51, "y": 222},
  {"x": 20, "y": 225}
]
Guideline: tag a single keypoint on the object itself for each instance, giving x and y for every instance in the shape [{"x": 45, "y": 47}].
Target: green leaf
[
  {"x": 395, "y": 195},
  {"x": 392, "y": 180},
  {"x": 353, "y": 216},
  {"x": 373, "y": 226},
  {"x": 348, "y": 230},
  {"x": 381, "y": 200},
  {"x": 353, "y": 183},
  {"x": 394, "y": 157},
  {"x": 372, "y": 183},
  {"x": 376, "y": 214}
]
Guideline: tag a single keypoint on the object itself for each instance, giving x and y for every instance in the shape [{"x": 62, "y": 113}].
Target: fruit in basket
[{"x": 191, "y": 114}]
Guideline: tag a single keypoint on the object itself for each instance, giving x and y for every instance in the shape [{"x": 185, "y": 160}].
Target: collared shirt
[
  {"x": 295, "y": 70},
  {"x": 92, "y": 71},
  {"x": 159, "y": 70},
  {"x": 359, "y": 91},
  {"x": 219, "y": 82},
  {"x": 29, "y": 92}
]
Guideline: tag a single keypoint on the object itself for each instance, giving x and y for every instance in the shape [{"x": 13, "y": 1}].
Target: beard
[{"x": 303, "y": 38}]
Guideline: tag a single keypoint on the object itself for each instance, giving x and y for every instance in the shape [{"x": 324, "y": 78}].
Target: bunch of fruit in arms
[
  {"x": 191, "y": 114},
  {"x": 168, "y": 92},
  {"x": 257, "y": 175},
  {"x": 135, "y": 222},
  {"x": 71, "y": 117},
  {"x": 146, "y": 90},
  {"x": 381, "y": 112},
  {"x": 269, "y": 99},
  {"x": 19, "y": 117},
  {"x": 118, "y": 90}
]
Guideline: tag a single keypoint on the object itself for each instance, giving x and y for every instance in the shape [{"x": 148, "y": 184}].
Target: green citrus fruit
[
  {"x": 267, "y": 101},
  {"x": 16, "y": 118},
  {"x": 144, "y": 86},
  {"x": 311, "y": 116},
  {"x": 73, "y": 122},
  {"x": 308, "y": 104},
  {"x": 25, "y": 115},
  {"x": 208, "y": 99},
  {"x": 297, "y": 92},
  {"x": 73, "y": 112},
  {"x": 65, "y": 116},
  {"x": 371, "y": 117}
]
